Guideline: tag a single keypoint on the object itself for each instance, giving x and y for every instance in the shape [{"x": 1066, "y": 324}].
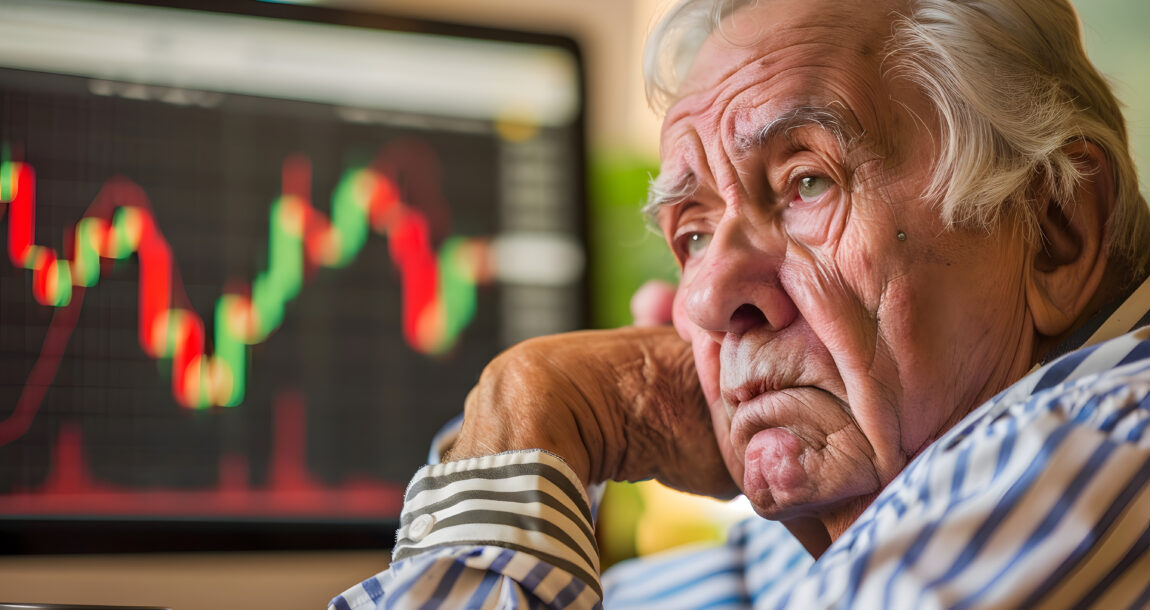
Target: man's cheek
[
  {"x": 706, "y": 353},
  {"x": 721, "y": 422},
  {"x": 679, "y": 319}
]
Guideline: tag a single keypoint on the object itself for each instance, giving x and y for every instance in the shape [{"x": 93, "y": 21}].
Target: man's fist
[{"x": 619, "y": 405}]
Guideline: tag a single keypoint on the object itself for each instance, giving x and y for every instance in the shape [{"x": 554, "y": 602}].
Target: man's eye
[
  {"x": 694, "y": 244},
  {"x": 697, "y": 243},
  {"x": 813, "y": 187}
]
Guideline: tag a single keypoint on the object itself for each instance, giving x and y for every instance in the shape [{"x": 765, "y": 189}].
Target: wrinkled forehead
[
  {"x": 831, "y": 30},
  {"x": 776, "y": 58}
]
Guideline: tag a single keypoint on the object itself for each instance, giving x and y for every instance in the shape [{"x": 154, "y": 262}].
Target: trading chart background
[{"x": 339, "y": 407}]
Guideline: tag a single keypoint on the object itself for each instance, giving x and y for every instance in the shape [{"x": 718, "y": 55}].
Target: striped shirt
[{"x": 1039, "y": 498}]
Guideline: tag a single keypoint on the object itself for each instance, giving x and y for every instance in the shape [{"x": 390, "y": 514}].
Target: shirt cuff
[{"x": 529, "y": 501}]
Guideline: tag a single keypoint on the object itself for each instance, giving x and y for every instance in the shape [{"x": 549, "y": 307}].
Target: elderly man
[{"x": 913, "y": 253}]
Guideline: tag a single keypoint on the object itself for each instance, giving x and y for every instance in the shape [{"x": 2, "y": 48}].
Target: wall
[{"x": 611, "y": 33}]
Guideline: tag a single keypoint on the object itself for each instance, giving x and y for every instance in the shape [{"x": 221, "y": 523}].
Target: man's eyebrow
[
  {"x": 665, "y": 190},
  {"x": 830, "y": 118}
]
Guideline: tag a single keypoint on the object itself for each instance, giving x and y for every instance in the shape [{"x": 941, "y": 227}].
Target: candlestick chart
[
  {"x": 254, "y": 310},
  {"x": 438, "y": 292}
]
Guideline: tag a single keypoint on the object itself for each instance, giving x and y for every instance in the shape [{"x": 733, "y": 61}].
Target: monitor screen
[{"x": 255, "y": 256}]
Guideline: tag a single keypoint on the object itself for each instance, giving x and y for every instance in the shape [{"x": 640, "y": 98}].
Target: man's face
[{"x": 838, "y": 326}]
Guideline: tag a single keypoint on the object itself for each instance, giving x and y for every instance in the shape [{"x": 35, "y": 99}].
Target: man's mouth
[
  {"x": 772, "y": 408},
  {"x": 751, "y": 409},
  {"x": 748, "y": 391}
]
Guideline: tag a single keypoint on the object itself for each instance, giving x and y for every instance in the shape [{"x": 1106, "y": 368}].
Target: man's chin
[
  {"x": 773, "y": 474},
  {"x": 781, "y": 489}
]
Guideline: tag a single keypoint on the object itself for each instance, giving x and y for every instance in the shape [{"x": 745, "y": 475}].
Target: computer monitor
[{"x": 255, "y": 255}]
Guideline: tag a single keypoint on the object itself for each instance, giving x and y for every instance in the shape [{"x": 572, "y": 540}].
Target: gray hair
[{"x": 1011, "y": 85}]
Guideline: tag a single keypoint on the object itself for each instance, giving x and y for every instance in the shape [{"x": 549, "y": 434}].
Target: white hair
[{"x": 1011, "y": 86}]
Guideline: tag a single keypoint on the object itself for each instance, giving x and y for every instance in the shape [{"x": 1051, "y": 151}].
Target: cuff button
[{"x": 420, "y": 527}]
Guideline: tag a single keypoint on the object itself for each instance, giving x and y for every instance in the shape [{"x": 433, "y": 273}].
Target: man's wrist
[
  {"x": 528, "y": 501},
  {"x": 519, "y": 405}
]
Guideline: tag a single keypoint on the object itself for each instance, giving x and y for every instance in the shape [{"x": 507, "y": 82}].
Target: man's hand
[
  {"x": 619, "y": 405},
  {"x": 653, "y": 304}
]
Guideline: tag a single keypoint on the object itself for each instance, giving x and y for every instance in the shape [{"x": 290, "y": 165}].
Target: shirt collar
[{"x": 1116, "y": 318}]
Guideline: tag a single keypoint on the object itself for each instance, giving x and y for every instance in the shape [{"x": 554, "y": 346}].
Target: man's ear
[{"x": 1070, "y": 258}]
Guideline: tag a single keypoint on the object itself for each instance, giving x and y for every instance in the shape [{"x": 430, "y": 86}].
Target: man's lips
[
  {"x": 750, "y": 370},
  {"x": 738, "y": 392},
  {"x": 771, "y": 408},
  {"x": 747, "y": 392},
  {"x": 751, "y": 411}
]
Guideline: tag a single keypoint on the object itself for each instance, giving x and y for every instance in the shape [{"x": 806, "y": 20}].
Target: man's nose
[{"x": 735, "y": 287}]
